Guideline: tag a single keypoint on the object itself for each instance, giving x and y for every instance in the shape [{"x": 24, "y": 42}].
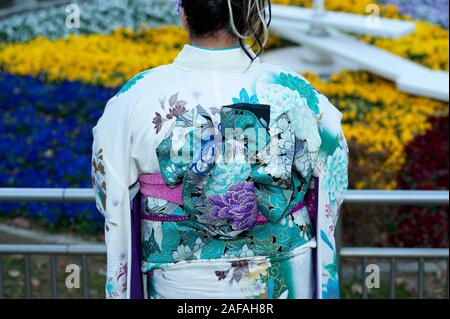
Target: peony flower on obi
[
  {"x": 305, "y": 126},
  {"x": 304, "y": 122},
  {"x": 280, "y": 98},
  {"x": 336, "y": 179},
  {"x": 238, "y": 205}
]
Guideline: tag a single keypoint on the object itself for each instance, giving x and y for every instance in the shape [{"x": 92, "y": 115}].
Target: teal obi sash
[{"x": 238, "y": 174}]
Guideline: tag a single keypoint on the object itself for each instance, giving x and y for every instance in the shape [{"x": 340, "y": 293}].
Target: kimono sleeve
[
  {"x": 113, "y": 172},
  {"x": 330, "y": 184}
]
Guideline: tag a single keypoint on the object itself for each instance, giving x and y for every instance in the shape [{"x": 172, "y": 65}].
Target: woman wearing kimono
[{"x": 220, "y": 176}]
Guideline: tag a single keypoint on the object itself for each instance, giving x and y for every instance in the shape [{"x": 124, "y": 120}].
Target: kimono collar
[{"x": 233, "y": 59}]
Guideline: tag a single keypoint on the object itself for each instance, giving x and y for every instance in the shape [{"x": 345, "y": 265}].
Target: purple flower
[
  {"x": 158, "y": 120},
  {"x": 177, "y": 110},
  {"x": 434, "y": 11},
  {"x": 177, "y": 107},
  {"x": 238, "y": 204}
]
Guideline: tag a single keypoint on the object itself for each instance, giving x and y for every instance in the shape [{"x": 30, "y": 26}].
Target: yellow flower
[
  {"x": 107, "y": 60},
  {"x": 378, "y": 121}
]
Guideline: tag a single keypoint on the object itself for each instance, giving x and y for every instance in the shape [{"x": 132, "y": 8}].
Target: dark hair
[{"x": 243, "y": 19}]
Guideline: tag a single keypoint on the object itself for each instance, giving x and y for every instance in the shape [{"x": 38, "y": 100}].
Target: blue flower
[{"x": 46, "y": 142}]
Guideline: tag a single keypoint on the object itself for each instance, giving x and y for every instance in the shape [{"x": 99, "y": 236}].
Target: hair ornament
[{"x": 179, "y": 7}]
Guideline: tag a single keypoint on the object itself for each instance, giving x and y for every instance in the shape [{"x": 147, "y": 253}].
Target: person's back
[{"x": 218, "y": 176}]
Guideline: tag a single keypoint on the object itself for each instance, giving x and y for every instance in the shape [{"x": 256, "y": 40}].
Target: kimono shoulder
[
  {"x": 140, "y": 85},
  {"x": 328, "y": 116}
]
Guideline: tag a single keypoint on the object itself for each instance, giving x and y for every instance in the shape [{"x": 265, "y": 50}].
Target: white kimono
[{"x": 205, "y": 227}]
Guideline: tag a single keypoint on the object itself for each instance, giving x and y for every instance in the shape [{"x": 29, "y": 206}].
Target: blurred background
[{"x": 60, "y": 61}]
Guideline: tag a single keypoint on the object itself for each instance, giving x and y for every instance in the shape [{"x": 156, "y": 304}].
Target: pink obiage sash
[{"x": 153, "y": 185}]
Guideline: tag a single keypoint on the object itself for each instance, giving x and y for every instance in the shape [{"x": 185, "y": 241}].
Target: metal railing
[
  {"x": 52, "y": 251},
  {"x": 353, "y": 197},
  {"x": 394, "y": 255}
]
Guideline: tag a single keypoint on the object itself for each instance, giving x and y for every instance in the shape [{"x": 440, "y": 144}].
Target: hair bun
[{"x": 244, "y": 19}]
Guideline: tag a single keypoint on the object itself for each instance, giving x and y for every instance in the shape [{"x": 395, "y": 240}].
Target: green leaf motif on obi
[
  {"x": 149, "y": 247},
  {"x": 213, "y": 249},
  {"x": 171, "y": 237}
]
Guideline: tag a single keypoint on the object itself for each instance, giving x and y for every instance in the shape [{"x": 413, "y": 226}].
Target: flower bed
[
  {"x": 379, "y": 121},
  {"x": 46, "y": 142},
  {"x": 352, "y": 6},
  {"x": 428, "y": 45},
  {"x": 96, "y": 16},
  {"x": 99, "y": 59},
  {"x": 435, "y": 11},
  {"x": 424, "y": 226},
  {"x": 54, "y": 88}
]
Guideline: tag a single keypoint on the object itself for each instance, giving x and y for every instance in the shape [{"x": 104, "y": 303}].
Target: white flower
[
  {"x": 281, "y": 142},
  {"x": 336, "y": 179},
  {"x": 303, "y": 162},
  {"x": 198, "y": 244},
  {"x": 182, "y": 253},
  {"x": 303, "y": 232},
  {"x": 98, "y": 16},
  {"x": 155, "y": 228},
  {"x": 304, "y": 124},
  {"x": 301, "y": 217},
  {"x": 246, "y": 252},
  {"x": 280, "y": 98}
]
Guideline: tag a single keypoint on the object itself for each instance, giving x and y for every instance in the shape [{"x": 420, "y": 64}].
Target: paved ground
[{"x": 12, "y": 234}]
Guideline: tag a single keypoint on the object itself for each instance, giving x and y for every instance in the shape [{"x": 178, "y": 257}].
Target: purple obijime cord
[{"x": 153, "y": 185}]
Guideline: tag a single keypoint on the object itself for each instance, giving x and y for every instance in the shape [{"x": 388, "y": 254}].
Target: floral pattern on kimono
[
  {"x": 330, "y": 170},
  {"x": 270, "y": 166},
  {"x": 112, "y": 176},
  {"x": 284, "y": 205},
  {"x": 286, "y": 275},
  {"x": 166, "y": 242}
]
